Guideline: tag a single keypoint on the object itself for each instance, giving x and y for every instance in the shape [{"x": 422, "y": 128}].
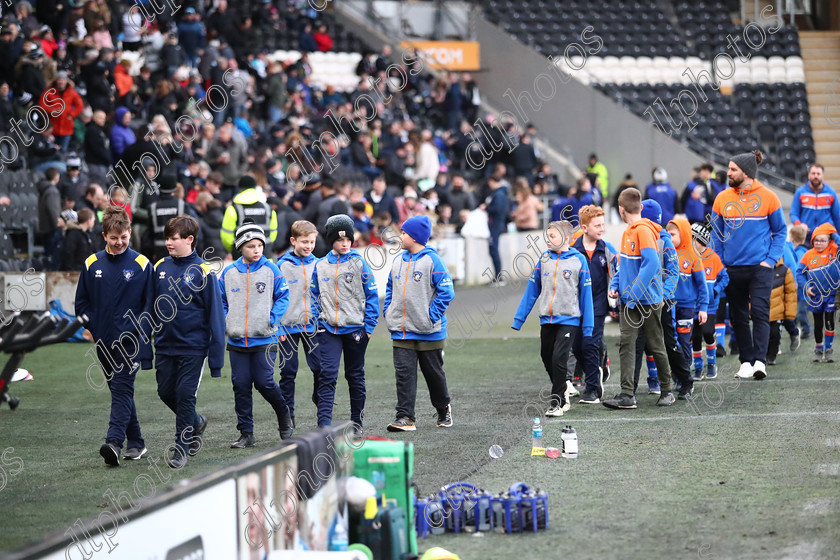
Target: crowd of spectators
[{"x": 201, "y": 90}]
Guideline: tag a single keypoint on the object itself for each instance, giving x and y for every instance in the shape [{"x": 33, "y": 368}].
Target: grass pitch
[{"x": 746, "y": 470}]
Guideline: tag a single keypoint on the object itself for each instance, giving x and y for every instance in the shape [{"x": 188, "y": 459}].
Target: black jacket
[
  {"x": 41, "y": 150},
  {"x": 78, "y": 246},
  {"x": 387, "y": 204},
  {"x": 97, "y": 145},
  {"x": 211, "y": 228}
]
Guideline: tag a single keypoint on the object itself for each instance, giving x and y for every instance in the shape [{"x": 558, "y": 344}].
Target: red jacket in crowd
[{"x": 62, "y": 107}]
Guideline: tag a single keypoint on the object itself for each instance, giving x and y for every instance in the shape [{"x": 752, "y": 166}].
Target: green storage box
[{"x": 389, "y": 465}]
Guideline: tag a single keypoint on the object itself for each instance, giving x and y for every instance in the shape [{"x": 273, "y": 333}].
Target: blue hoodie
[
  {"x": 670, "y": 269},
  {"x": 546, "y": 275},
  {"x": 121, "y": 136},
  {"x": 798, "y": 252},
  {"x": 664, "y": 194},
  {"x": 280, "y": 299},
  {"x": 600, "y": 273},
  {"x": 187, "y": 291},
  {"x": 427, "y": 290}
]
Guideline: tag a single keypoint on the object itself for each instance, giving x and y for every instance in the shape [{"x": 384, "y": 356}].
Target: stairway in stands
[{"x": 821, "y": 55}]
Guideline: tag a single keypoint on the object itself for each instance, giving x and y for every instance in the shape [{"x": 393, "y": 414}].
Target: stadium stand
[{"x": 646, "y": 53}]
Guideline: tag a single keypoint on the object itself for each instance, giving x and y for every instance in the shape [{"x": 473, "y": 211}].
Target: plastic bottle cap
[{"x": 370, "y": 508}]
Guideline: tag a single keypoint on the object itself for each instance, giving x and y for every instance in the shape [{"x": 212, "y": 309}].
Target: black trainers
[
  {"x": 111, "y": 454},
  {"x": 720, "y": 351},
  {"x": 623, "y": 401},
  {"x": 245, "y": 440},
  {"x": 197, "y": 442},
  {"x": 685, "y": 391},
  {"x": 134, "y": 453},
  {"x": 444, "y": 417},
  {"x": 178, "y": 459},
  {"x": 402, "y": 424},
  {"x": 285, "y": 425},
  {"x": 666, "y": 400},
  {"x": 589, "y": 397}
]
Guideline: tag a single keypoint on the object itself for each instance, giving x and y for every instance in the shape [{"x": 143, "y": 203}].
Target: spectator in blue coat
[
  {"x": 121, "y": 134},
  {"x": 192, "y": 35},
  {"x": 496, "y": 205},
  {"x": 662, "y": 192}
]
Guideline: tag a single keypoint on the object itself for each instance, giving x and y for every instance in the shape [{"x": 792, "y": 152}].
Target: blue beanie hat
[
  {"x": 419, "y": 228},
  {"x": 652, "y": 211}
]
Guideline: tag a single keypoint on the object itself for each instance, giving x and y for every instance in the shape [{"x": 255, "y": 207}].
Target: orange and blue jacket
[
  {"x": 820, "y": 270},
  {"x": 813, "y": 209},
  {"x": 748, "y": 226},
  {"x": 716, "y": 278},
  {"x": 639, "y": 278},
  {"x": 691, "y": 284}
]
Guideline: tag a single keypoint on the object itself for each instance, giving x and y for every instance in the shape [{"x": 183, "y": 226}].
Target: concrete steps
[{"x": 821, "y": 57}]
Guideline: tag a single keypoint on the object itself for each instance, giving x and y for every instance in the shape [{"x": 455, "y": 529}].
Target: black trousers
[
  {"x": 431, "y": 364},
  {"x": 748, "y": 294},
  {"x": 676, "y": 359},
  {"x": 775, "y": 340},
  {"x": 555, "y": 344}
]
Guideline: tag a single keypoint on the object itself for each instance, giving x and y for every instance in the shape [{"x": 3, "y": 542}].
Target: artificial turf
[{"x": 747, "y": 470}]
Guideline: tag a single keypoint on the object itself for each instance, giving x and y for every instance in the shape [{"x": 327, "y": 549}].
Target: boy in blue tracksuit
[
  {"x": 345, "y": 298},
  {"x": 254, "y": 297},
  {"x": 115, "y": 292},
  {"x": 563, "y": 287},
  {"x": 692, "y": 296},
  {"x": 418, "y": 293},
  {"x": 716, "y": 281},
  {"x": 298, "y": 324},
  {"x": 600, "y": 258},
  {"x": 676, "y": 359},
  {"x": 189, "y": 304}
]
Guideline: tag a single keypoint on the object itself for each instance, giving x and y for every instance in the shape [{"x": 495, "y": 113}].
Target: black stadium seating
[{"x": 774, "y": 115}]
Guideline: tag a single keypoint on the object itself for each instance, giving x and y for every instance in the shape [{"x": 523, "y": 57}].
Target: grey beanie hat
[
  {"x": 340, "y": 225},
  {"x": 748, "y": 163}
]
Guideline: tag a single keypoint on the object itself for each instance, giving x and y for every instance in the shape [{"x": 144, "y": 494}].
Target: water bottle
[
  {"x": 339, "y": 539},
  {"x": 537, "y": 448},
  {"x": 570, "y": 442}
]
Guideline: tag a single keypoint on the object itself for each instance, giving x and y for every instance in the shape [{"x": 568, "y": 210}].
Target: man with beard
[
  {"x": 749, "y": 231},
  {"x": 815, "y": 203}
]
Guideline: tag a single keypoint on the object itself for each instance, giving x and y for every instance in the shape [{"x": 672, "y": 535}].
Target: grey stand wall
[{"x": 578, "y": 120}]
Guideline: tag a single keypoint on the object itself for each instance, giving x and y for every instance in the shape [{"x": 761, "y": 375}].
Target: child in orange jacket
[{"x": 819, "y": 274}]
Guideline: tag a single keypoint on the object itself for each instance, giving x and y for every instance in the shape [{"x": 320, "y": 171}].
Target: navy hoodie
[
  {"x": 111, "y": 286},
  {"x": 196, "y": 324},
  {"x": 600, "y": 272}
]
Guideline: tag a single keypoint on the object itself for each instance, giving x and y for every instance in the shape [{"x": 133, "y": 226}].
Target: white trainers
[
  {"x": 759, "y": 371},
  {"x": 554, "y": 411},
  {"x": 571, "y": 390},
  {"x": 746, "y": 371}
]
